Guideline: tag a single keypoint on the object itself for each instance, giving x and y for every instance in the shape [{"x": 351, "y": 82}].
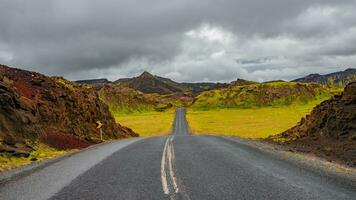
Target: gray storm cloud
[{"x": 181, "y": 39}]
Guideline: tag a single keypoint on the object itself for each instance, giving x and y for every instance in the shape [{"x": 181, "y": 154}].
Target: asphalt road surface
[{"x": 177, "y": 166}]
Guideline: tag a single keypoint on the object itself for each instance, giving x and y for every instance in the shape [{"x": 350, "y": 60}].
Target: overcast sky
[{"x": 186, "y": 40}]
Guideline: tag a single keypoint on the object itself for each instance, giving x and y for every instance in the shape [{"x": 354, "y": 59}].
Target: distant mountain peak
[
  {"x": 146, "y": 74},
  {"x": 241, "y": 82}
]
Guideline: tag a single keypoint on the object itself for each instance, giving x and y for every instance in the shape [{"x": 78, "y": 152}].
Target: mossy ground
[
  {"x": 148, "y": 123},
  {"x": 42, "y": 152},
  {"x": 248, "y": 123}
]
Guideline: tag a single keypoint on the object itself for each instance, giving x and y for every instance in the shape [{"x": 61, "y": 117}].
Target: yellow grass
[
  {"x": 42, "y": 152},
  {"x": 148, "y": 123},
  {"x": 248, "y": 123}
]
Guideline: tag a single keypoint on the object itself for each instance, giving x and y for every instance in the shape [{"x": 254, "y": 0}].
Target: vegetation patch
[
  {"x": 65, "y": 83},
  {"x": 148, "y": 123},
  {"x": 248, "y": 123},
  {"x": 123, "y": 100},
  {"x": 41, "y": 152}
]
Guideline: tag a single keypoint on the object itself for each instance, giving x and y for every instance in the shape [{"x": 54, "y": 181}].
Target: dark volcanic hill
[
  {"x": 148, "y": 83},
  {"x": 97, "y": 82},
  {"x": 329, "y": 131},
  {"x": 241, "y": 82},
  {"x": 341, "y": 78},
  {"x": 35, "y": 108},
  {"x": 203, "y": 86}
]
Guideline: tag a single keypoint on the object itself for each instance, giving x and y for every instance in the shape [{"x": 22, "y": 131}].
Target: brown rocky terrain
[
  {"x": 38, "y": 109},
  {"x": 329, "y": 131}
]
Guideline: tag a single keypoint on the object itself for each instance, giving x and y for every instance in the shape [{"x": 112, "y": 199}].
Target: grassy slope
[
  {"x": 148, "y": 123},
  {"x": 254, "y": 111},
  {"x": 249, "y": 123}
]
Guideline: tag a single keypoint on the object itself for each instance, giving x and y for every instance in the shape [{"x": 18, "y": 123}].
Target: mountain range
[
  {"x": 335, "y": 79},
  {"x": 149, "y": 83}
]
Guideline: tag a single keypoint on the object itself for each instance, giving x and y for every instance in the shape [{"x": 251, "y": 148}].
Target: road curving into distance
[{"x": 177, "y": 166}]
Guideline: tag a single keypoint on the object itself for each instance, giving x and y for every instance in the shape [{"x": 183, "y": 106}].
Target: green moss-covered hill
[
  {"x": 261, "y": 95},
  {"x": 122, "y": 99}
]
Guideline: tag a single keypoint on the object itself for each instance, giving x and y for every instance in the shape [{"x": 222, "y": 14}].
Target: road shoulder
[
  {"x": 59, "y": 172},
  {"x": 341, "y": 173}
]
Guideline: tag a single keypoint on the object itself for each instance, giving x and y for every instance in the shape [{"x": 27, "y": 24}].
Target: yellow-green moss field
[
  {"x": 148, "y": 123},
  {"x": 248, "y": 123}
]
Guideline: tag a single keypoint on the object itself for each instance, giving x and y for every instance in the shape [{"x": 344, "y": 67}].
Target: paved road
[{"x": 178, "y": 166}]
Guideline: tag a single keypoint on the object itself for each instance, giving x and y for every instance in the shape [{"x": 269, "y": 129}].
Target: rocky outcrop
[
  {"x": 36, "y": 108},
  {"x": 330, "y": 129}
]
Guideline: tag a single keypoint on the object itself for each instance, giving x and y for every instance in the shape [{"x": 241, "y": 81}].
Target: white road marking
[
  {"x": 169, "y": 183},
  {"x": 163, "y": 170},
  {"x": 170, "y": 164}
]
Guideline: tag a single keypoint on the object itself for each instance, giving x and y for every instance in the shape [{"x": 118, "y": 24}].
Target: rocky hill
[
  {"x": 121, "y": 99},
  {"x": 38, "y": 109},
  {"x": 336, "y": 79},
  {"x": 329, "y": 131},
  {"x": 260, "y": 95},
  {"x": 149, "y": 83}
]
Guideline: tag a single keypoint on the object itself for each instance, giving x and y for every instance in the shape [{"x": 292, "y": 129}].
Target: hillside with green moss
[
  {"x": 125, "y": 100},
  {"x": 274, "y": 94}
]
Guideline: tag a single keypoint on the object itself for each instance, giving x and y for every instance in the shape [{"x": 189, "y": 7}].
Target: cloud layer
[{"x": 182, "y": 39}]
